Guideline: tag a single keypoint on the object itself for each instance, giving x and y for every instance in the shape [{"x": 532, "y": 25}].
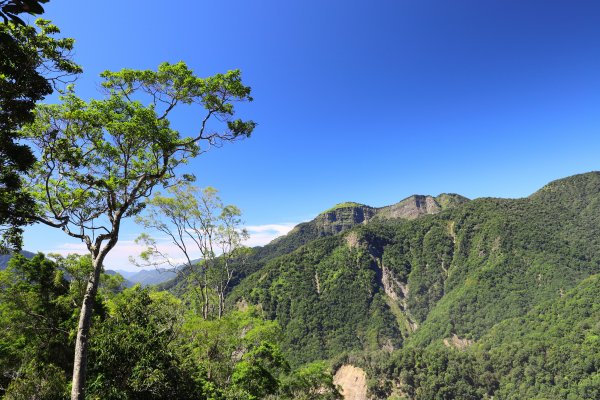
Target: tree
[
  {"x": 35, "y": 312},
  {"x": 100, "y": 160},
  {"x": 310, "y": 382},
  {"x": 195, "y": 220},
  {"x": 134, "y": 350},
  {"x": 32, "y": 63},
  {"x": 10, "y": 8},
  {"x": 242, "y": 344}
]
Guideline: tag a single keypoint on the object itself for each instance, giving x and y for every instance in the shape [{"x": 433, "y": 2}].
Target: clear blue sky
[{"x": 368, "y": 101}]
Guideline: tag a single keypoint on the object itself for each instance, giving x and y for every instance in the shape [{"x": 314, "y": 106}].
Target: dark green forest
[
  {"x": 494, "y": 297},
  {"x": 490, "y": 298}
]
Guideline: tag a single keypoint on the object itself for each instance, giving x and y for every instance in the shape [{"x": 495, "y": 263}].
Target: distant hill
[
  {"x": 148, "y": 277},
  {"x": 145, "y": 277}
]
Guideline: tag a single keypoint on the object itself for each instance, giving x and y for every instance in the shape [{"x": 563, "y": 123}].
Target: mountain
[
  {"x": 152, "y": 276},
  {"x": 347, "y": 215},
  {"x": 147, "y": 277},
  {"x": 333, "y": 221},
  {"x": 143, "y": 277},
  {"x": 416, "y": 282}
]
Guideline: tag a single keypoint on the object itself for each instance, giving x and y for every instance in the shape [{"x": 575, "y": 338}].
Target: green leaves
[
  {"x": 100, "y": 159},
  {"x": 172, "y": 84},
  {"x": 10, "y": 8},
  {"x": 32, "y": 63}
]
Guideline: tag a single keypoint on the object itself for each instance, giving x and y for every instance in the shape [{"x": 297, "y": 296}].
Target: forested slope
[{"x": 459, "y": 279}]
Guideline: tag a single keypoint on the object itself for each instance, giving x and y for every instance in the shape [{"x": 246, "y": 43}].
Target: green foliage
[
  {"x": 32, "y": 61},
  {"x": 460, "y": 275},
  {"x": 552, "y": 352},
  {"x": 325, "y": 297},
  {"x": 310, "y": 382},
  {"x": 36, "y": 380},
  {"x": 133, "y": 351},
  {"x": 9, "y": 9},
  {"x": 196, "y": 220},
  {"x": 347, "y": 204},
  {"x": 218, "y": 347},
  {"x": 39, "y": 308},
  {"x": 145, "y": 344},
  {"x": 254, "y": 376},
  {"x": 549, "y": 353},
  {"x": 100, "y": 160},
  {"x": 36, "y": 316}
]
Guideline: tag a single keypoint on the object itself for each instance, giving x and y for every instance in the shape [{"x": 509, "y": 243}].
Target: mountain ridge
[{"x": 452, "y": 275}]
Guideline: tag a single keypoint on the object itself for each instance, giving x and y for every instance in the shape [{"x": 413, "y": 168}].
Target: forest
[{"x": 433, "y": 297}]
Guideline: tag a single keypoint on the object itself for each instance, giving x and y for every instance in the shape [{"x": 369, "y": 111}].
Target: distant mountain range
[{"x": 145, "y": 277}]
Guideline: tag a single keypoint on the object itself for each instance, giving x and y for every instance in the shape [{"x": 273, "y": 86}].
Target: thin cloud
[
  {"x": 264, "y": 234},
  {"x": 118, "y": 258}
]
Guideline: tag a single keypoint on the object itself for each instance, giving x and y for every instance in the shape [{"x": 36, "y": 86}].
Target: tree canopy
[
  {"x": 33, "y": 62},
  {"x": 99, "y": 160}
]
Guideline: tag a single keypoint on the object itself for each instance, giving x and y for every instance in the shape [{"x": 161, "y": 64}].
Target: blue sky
[{"x": 367, "y": 101}]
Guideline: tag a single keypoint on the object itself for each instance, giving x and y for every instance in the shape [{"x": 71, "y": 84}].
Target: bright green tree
[
  {"x": 100, "y": 160},
  {"x": 134, "y": 350},
  {"x": 36, "y": 317},
  {"x": 197, "y": 221}
]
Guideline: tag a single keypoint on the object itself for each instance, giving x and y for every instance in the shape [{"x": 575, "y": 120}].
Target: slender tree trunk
[
  {"x": 206, "y": 299},
  {"x": 83, "y": 330},
  {"x": 221, "y": 302}
]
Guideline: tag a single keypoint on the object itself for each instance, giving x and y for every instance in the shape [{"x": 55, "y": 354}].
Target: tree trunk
[{"x": 83, "y": 330}]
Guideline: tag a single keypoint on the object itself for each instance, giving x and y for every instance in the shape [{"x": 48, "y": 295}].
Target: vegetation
[
  {"x": 434, "y": 297},
  {"x": 100, "y": 160},
  {"x": 33, "y": 62},
  {"x": 144, "y": 344},
  {"x": 196, "y": 221},
  {"x": 455, "y": 279},
  {"x": 346, "y": 204},
  {"x": 490, "y": 299}
]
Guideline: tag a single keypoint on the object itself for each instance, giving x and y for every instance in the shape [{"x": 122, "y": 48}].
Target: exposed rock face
[
  {"x": 417, "y": 205},
  {"x": 353, "y": 382},
  {"x": 411, "y": 208},
  {"x": 457, "y": 342},
  {"x": 347, "y": 215},
  {"x": 343, "y": 217}
]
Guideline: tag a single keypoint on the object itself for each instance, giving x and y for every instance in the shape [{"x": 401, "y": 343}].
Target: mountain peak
[
  {"x": 346, "y": 204},
  {"x": 343, "y": 216},
  {"x": 418, "y": 205}
]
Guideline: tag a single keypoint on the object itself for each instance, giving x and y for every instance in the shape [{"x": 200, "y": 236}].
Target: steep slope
[
  {"x": 453, "y": 275},
  {"x": 418, "y": 205},
  {"x": 336, "y": 220},
  {"x": 549, "y": 353}
]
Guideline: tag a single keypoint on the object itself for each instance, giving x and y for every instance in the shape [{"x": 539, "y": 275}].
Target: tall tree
[
  {"x": 33, "y": 62},
  {"x": 99, "y": 160},
  {"x": 196, "y": 222}
]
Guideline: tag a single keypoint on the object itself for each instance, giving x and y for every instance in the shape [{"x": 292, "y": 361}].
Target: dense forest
[{"x": 489, "y": 298}]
